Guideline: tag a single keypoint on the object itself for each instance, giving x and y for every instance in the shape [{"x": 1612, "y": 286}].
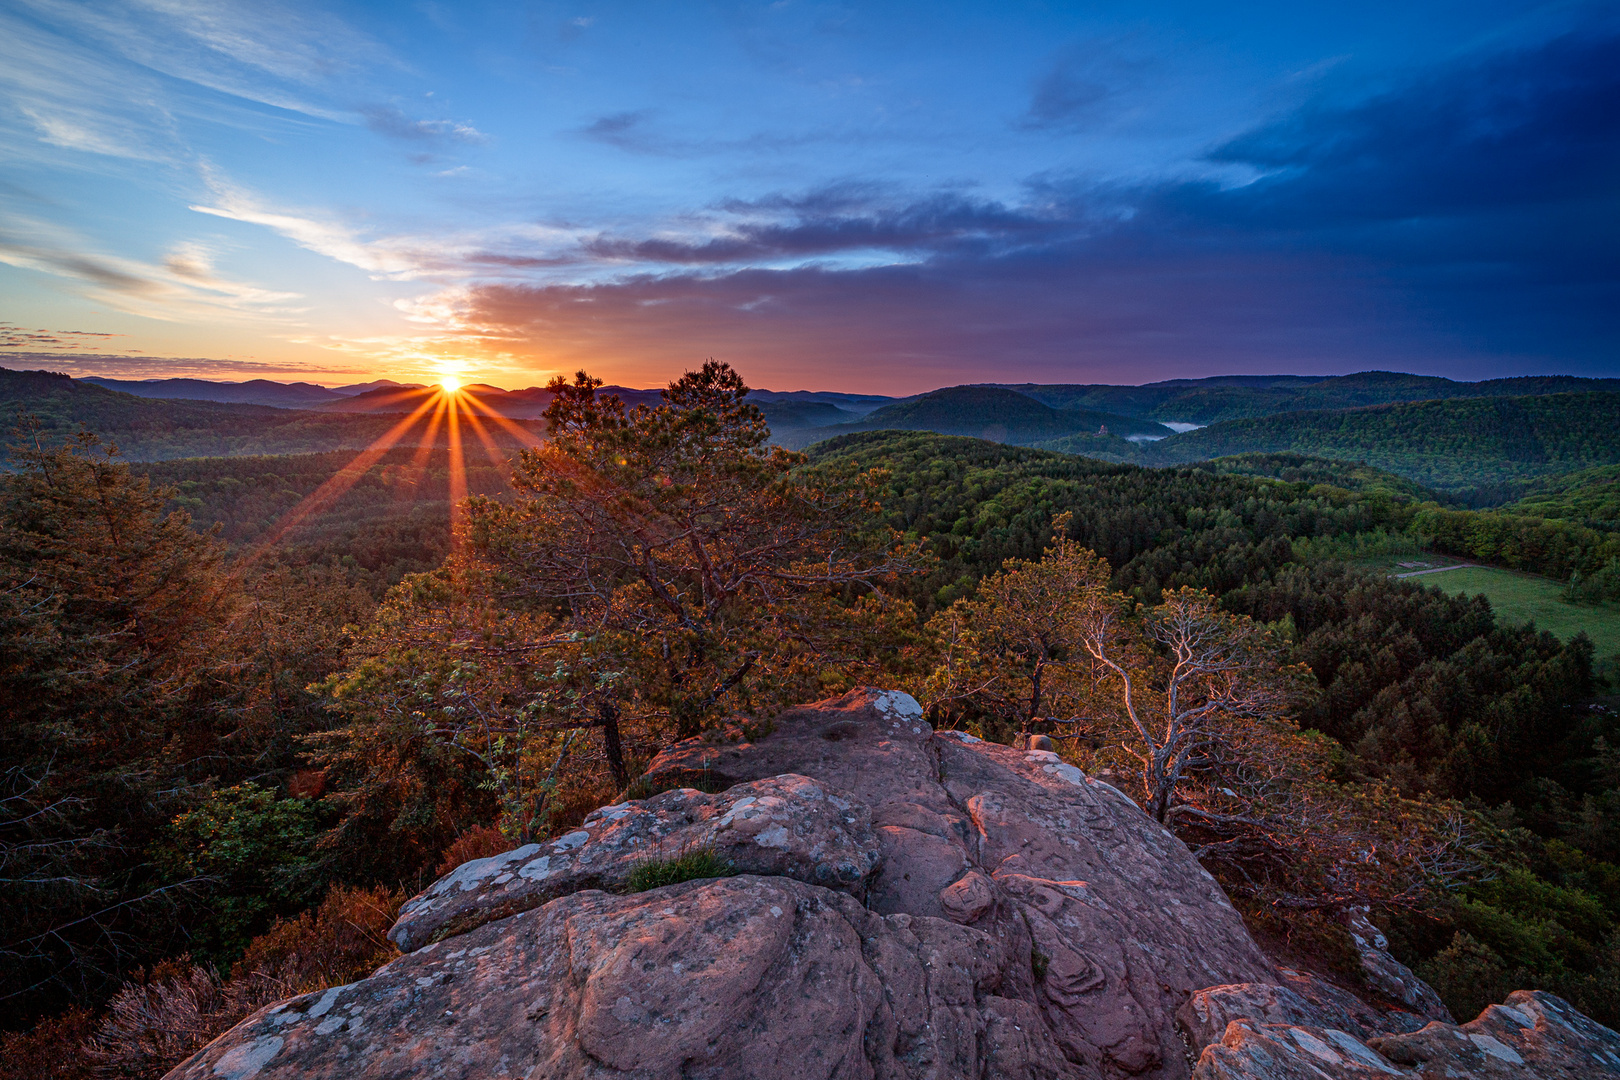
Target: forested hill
[
  {"x": 149, "y": 429},
  {"x": 1590, "y": 497},
  {"x": 1453, "y": 445},
  {"x": 1237, "y": 397},
  {"x": 987, "y": 412}
]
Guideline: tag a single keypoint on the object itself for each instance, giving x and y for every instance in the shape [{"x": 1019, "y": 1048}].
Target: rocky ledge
[{"x": 897, "y": 903}]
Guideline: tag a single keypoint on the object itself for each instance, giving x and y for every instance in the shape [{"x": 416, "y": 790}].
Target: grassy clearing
[{"x": 1519, "y": 598}]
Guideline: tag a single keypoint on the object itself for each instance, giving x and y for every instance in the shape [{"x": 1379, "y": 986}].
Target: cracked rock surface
[{"x": 908, "y": 904}]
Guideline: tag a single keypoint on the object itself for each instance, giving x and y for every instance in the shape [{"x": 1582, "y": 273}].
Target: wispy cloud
[
  {"x": 389, "y": 120},
  {"x": 130, "y": 366},
  {"x": 183, "y": 286}
]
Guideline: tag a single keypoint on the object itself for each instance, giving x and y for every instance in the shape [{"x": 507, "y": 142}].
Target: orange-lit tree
[{"x": 658, "y": 570}]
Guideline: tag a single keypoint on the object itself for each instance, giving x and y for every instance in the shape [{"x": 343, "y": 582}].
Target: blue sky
[{"x": 880, "y": 197}]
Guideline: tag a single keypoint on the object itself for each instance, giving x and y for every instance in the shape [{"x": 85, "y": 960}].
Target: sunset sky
[{"x": 878, "y": 197}]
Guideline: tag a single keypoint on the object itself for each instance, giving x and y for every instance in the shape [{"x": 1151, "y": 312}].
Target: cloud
[
  {"x": 390, "y": 121},
  {"x": 128, "y": 366},
  {"x": 1463, "y": 220},
  {"x": 1081, "y": 87},
  {"x": 13, "y": 336},
  {"x": 184, "y": 286},
  {"x": 625, "y": 130}
]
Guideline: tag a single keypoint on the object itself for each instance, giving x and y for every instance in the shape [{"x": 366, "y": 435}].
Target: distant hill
[
  {"x": 1451, "y": 445},
  {"x": 1589, "y": 497},
  {"x": 986, "y": 412},
  {"x": 151, "y": 429},
  {"x": 1236, "y": 397},
  {"x": 297, "y": 395}
]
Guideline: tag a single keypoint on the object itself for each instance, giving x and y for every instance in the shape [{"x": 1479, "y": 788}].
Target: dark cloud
[
  {"x": 1465, "y": 224},
  {"x": 934, "y": 225}
]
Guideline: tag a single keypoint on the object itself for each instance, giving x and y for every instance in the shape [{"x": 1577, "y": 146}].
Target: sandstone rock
[
  {"x": 1533, "y": 1035},
  {"x": 761, "y": 977},
  {"x": 1388, "y": 975},
  {"x": 1124, "y": 923},
  {"x": 1301, "y": 999},
  {"x": 1339, "y": 1008},
  {"x": 788, "y": 825},
  {"x": 1256, "y": 1051}
]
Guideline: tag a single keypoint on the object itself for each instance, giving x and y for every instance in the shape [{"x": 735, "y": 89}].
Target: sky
[{"x": 872, "y": 197}]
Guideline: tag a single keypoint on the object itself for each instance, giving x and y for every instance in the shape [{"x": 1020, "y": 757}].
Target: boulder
[
  {"x": 1534, "y": 1036},
  {"x": 1124, "y": 923},
  {"x": 788, "y": 825}
]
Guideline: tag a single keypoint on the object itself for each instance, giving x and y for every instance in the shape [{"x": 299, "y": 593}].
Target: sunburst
[{"x": 452, "y": 410}]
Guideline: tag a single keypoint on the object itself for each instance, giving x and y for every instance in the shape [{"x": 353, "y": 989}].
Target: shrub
[
  {"x": 689, "y": 865},
  {"x": 53, "y": 1050}
]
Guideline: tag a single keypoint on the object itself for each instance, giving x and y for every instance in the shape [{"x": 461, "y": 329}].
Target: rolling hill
[
  {"x": 300, "y": 395},
  {"x": 150, "y": 429},
  {"x": 1237, "y": 397},
  {"x": 987, "y": 412},
  {"x": 1453, "y": 445}
]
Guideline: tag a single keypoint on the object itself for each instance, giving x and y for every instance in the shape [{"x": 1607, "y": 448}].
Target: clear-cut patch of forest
[{"x": 234, "y": 746}]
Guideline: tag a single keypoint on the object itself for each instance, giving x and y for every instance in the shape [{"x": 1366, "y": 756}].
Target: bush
[
  {"x": 53, "y": 1050},
  {"x": 689, "y": 865}
]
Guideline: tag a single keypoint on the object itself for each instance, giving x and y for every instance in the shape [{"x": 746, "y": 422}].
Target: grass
[
  {"x": 1519, "y": 598},
  {"x": 701, "y": 862}
]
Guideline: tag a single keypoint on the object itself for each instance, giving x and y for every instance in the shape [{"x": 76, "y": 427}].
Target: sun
[{"x": 450, "y": 384}]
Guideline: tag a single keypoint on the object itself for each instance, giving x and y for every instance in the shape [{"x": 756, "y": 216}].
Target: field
[{"x": 1518, "y": 598}]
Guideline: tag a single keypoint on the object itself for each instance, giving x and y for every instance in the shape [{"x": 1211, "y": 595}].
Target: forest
[{"x": 240, "y": 738}]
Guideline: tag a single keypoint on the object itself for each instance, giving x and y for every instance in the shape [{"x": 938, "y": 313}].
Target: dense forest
[
  {"x": 1243, "y": 397},
  {"x": 231, "y": 758},
  {"x": 1450, "y": 445}
]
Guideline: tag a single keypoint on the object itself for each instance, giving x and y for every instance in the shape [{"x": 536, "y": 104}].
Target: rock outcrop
[
  {"x": 1534, "y": 1035},
  {"x": 899, "y": 903},
  {"x": 787, "y": 825}
]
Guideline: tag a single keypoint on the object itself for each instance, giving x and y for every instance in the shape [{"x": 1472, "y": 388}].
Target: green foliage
[
  {"x": 1554, "y": 549},
  {"x": 257, "y": 852},
  {"x": 393, "y": 521},
  {"x": 688, "y": 865}
]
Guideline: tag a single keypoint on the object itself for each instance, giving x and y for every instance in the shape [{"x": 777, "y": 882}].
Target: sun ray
[
  {"x": 340, "y": 482},
  {"x": 418, "y": 466},
  {"x": 491, "y": 451},
  {"x": 522, "y": 434},
  {"x": 458, "y": 473}
]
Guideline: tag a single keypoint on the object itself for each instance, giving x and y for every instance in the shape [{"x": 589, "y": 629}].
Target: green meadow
[{"x": 1519, "y": 598}]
